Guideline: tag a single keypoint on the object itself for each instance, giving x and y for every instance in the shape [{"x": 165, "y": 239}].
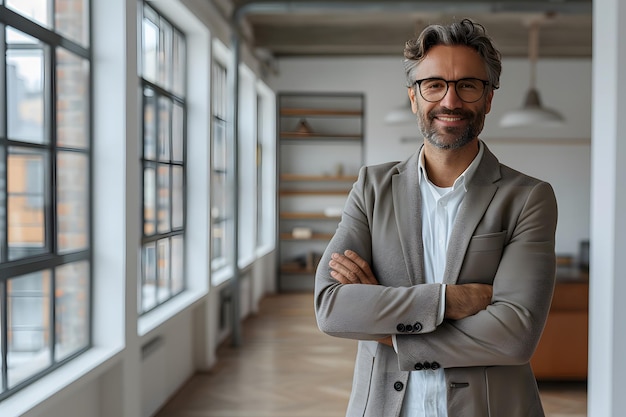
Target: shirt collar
[{"x": 464, "y": 178}]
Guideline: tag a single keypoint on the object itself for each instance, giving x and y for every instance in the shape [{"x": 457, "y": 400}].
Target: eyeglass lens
[{"x": 468, "y": 89}]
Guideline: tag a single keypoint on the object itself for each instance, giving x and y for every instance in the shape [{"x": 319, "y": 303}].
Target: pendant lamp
[{"x": 532, "y": 113}]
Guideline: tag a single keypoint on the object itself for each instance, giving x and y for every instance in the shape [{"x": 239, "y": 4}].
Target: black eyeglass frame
[{"x": 447, "y": 82}]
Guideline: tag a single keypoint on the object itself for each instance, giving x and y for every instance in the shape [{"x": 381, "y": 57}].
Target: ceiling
[{"x": 317, "y": 28}]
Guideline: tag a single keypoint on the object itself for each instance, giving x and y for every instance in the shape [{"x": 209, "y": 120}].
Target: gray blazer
[{"x": 503, "y": 235}]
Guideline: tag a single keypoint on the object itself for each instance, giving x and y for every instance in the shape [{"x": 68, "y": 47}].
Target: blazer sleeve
[
  {"x": 507, "y": 332},
  {"x": 368, "y": 312}
]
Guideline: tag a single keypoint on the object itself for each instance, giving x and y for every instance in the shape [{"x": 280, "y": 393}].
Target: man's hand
[
  {"x": 350, "y": 268},
  {"x": 466, "y": 300}
]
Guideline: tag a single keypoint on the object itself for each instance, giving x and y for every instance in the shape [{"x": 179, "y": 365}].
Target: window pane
[
  {"x": 219, "y": 146},
  {"x": 36, "y": 10},
  {"x": 163, "y": 259},
  {"x": 179, "y": 65},
  {"x": 28, "y": 322},
  {"x": 177, "y": 133},
  {"x": 165, "y": 110},
  {"x": 177, "y": 197},
  {"x": 27, "y": 176},
  {"x": 149, "y": 125},
  {"x": 72, "y": 201},
  {"x": 25, "y": 88},
  {"x": 165, "y": 56},
  {"x": 72, "y": 100},
  {"x": 163, "y": 200},
  {"x": 149, "y": 193},
  {"x": 178, "y": 282},
  {"x": 148, "y": 281},
  {"x": 150, "y": 45},
  {"x": 72, "y": 20},
  {"x": 72, "y": 309}
]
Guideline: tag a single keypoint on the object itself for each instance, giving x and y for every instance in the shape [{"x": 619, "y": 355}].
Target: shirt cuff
[
  {"x": 395, "y": 344},
  {"x": 442, "y": 305}
]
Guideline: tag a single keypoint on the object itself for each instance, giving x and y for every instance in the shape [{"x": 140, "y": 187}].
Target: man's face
[{"x": 451, "y": 123}]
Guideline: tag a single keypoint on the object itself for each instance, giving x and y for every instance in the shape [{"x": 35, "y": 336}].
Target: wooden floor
[{"x": 288, "y": 368}]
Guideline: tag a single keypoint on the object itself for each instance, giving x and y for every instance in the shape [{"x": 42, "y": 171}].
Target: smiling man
[{"x": 443, "y": 265}]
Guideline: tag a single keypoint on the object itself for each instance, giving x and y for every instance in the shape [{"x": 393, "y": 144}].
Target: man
[{"x": 443, "y": 265}]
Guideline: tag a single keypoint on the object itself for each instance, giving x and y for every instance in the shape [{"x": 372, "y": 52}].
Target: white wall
[{"x": 559, "y": 155}]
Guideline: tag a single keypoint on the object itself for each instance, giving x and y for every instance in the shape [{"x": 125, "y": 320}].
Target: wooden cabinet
[
  {"x": 562, "y": 350},
  {"x": 320, "y": 152}
]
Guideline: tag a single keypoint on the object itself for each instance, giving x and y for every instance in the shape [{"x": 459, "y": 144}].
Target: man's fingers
[
  {"x": 368, "y": 276},
  {"x": 345, "y": 268},
  {"x": 360, "y": 262},
  {"x": 351, "y": 268}
]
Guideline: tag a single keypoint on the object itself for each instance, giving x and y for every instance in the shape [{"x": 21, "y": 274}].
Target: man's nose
[{"x": 451, "y": 100}]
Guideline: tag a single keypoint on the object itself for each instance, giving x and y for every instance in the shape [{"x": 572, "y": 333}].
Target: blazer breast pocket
[{"x": 482, "y": 258}]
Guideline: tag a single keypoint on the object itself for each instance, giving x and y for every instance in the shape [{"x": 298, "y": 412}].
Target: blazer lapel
[
  {"x": 480, "y": 191},
  {"x": 407, "y": 208}
]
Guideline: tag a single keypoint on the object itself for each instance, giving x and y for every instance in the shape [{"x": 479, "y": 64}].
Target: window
[
  {"x": 266, "y": 169},
  {"x": 163, "y": 50},
  {"x": 221, "y": 191},
  {"x": 45, "y": 205}
]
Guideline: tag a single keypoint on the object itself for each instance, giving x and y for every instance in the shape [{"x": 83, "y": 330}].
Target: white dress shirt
[{"x": 426, "y": 389}]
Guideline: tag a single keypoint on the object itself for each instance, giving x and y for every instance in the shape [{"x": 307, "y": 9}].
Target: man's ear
[
  {"x": 488, "y": 102},
  {"x": 413, "y": 98}
]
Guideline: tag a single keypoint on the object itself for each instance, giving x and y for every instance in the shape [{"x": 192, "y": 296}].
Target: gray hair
[{"x": 465, "y": 33}]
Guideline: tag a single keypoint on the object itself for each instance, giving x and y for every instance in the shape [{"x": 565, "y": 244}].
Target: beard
[{"x": 451, "y": 137}]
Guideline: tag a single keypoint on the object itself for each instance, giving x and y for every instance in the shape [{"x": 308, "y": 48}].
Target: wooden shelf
[
  {"x": 301, "y": 112},
  {"x": 313, "y": 192},
  {"x": 314, "y": 236},
  {"x": 318, "y": 178},
  {"x": 307, "y": 216},
  {"x": 320, "y": 142}
]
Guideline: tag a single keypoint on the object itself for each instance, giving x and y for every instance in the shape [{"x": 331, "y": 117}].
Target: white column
[
  {"x": 607, "y": 309},
  {"x": 117, "y": 227}
]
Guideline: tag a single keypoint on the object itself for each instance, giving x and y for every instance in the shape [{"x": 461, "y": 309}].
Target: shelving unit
[{"x": 320, "y": 152}]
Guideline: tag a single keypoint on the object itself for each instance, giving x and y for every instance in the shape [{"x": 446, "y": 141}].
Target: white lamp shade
[{"x": 532, "y": 114}]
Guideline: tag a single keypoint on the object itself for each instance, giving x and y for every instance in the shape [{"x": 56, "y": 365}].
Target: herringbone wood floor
[{"x": 287, "y": 368}]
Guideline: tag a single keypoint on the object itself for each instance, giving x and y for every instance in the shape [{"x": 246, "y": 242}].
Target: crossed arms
[{"x": 363, "y": 290}]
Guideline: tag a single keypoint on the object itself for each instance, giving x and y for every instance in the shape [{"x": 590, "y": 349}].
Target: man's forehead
[{"x": 459, "y": 59}]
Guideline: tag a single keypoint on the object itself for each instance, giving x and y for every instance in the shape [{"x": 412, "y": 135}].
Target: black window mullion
[
  {"x": 52, "y": 314},
  {"x": 50, "y": 124}
]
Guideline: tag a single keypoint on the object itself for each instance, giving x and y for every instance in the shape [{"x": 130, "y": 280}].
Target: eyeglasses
[{"x": 469, "y": 90}]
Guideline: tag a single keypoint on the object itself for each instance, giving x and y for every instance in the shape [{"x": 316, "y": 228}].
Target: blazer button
[
  {"x": 426, "y": 365},
  {"x": 408, "y": 328},
  {"x": 418, "y": 366},
  {"x": 435, "y": 365},
  {"x": 417, "y": 327},
  {"x": 400, "y": 328},
  {"x": 398, "y": 386}
]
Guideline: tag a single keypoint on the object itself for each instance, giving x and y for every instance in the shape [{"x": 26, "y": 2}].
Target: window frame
[
  {"x": 52, "y": 258},
  {"x": 176, "y": 100},
  {"x": 221, "y": 265}
]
